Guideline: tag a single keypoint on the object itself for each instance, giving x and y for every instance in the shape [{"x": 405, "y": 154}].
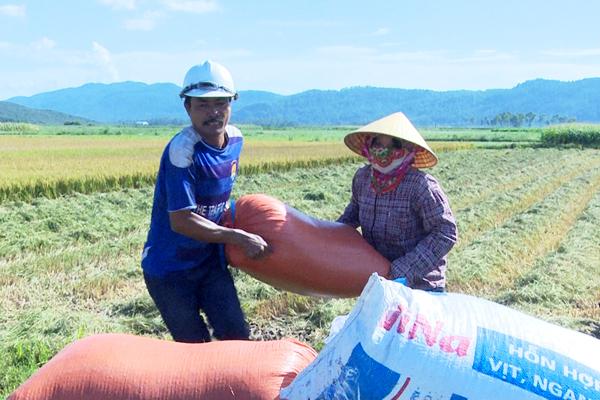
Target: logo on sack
[
  {"x": 355, "y": 379},
  {"x": 418, "y": 326}
]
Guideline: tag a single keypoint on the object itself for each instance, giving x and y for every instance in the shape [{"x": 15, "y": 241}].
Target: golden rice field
[{"x": 33, "y": 166}]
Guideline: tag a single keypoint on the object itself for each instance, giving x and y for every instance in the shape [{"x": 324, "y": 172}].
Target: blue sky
[{"x": 291, "y": 46}]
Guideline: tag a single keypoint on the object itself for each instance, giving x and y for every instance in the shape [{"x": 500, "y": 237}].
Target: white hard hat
[{"x": 208, "y": 79}]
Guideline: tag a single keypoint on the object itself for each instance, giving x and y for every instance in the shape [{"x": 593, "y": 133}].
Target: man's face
[{"x": 209, "y": 115}]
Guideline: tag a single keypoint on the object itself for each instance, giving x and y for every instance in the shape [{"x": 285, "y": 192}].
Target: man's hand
[{"x": 254, "y": 246}]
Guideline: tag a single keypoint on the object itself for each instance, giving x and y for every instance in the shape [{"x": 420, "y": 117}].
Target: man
[
  {"x": 183, "y": 262},
  {"x": 402, "y": 211}
]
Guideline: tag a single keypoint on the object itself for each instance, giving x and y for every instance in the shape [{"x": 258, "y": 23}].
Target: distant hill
[
  {"x": 579, "y": 100},
  {"x": 127, "y": 102},
  {"x": 111, "y": 103},
  {"x": 159, "y": 103},
  {"x": 10, "y": 112}
]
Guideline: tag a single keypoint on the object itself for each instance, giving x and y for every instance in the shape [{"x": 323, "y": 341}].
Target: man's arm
[{"x": 192, "y": 225}]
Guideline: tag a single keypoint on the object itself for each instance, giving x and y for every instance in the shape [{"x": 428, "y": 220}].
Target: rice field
[
  {"x": 50, "y": 166},
  {"x": 572, "y": 134},
  {"x": 69, "y": 263}
]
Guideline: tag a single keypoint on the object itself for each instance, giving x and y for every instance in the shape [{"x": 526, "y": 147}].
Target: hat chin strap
[{"x": 207, "y": 86}]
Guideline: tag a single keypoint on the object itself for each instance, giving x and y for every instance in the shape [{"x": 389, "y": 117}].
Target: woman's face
[
  {"x": 383, "y": 141},
  {"x": 386, "y": 153},
  {"x": 390, "y": 143}
]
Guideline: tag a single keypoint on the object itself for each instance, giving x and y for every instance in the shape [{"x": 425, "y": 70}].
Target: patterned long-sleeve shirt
[{"x": 412, "y": 226}]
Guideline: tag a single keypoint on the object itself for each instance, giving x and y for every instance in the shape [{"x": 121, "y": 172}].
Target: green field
[
  {"x": 303, "y": 134},
  {"x": 528, "y": 222}
]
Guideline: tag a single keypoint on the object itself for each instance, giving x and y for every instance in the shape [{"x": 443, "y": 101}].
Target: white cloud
[
  {"x": 12, "y": 10},
  {"x": 312, "y": 23},
  {"x": 354, "y": 53},
  {"x": 55, "y": 67},
  {"x": 104, "y": 60},
  {"x": 391, "y": 44},
  {"x": 43, "y": 66},
  {"x": 386, "y": 54},
  {"x": 487, "y": 51},
  {"x": 381, "y": 32},
  {"x": 120, "y": 4},
  {"x": 43, "y": 44},
  {"x": 347, "y": 66},
  {"x": 172, "y": 66},
  {"x": 483, "y": 56},
  {"x": 145, "y": 23},
  {"x": 346, "y": 50},
  {"x": 195, "y": 6},
  {"x": 572, "y": 52},
  {"x": 412, "y": 56}
]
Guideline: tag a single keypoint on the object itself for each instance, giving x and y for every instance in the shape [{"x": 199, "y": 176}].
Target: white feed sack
[{"x": 399, "y": 343}]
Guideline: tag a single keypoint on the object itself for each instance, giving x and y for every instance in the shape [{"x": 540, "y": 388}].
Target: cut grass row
[
  {"x": 558, "y": 286},
  {"x": 519, "y": 196},
  {"x": 505, "y": 251},
  {"x": 69, "y": 267}
]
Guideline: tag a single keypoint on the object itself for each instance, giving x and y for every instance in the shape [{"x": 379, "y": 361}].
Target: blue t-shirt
[{"x": 192, "y": 176}]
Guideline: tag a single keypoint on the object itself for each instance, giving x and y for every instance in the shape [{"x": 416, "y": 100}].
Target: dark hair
[
  {"x": 397, "y": 143},
  {"x": 188, "y": 100}
]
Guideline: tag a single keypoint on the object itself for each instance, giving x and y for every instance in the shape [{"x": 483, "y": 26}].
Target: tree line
[{"x": 508, "y": 119}]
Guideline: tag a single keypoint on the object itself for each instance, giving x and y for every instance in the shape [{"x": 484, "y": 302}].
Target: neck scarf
[{"x": 388, "y": 166}]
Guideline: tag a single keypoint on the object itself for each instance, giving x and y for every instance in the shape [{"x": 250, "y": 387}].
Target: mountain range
[
  {"x": 11, "y": 112},
  {"x": 130, "y": 102}
]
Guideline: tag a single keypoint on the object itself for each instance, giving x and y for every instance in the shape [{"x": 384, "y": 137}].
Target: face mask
[
  {"x": 389, "y": 165},
  {"x": 386, "y": 159}
]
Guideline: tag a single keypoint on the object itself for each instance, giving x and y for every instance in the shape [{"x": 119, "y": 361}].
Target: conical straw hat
[{"x": 398, "y": 126}]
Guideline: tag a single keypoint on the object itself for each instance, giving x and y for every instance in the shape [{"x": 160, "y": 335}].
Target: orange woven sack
[
  {"x": 127, "y": 367},
  {"x": 309, "y": 256}
]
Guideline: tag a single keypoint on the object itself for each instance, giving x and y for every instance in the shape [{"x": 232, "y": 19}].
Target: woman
[{"x": 402, "y": 211}]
